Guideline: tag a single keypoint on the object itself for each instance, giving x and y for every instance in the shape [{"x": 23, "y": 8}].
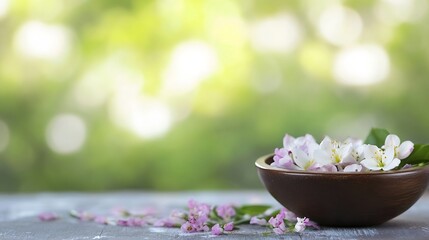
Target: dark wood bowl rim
[{"x": 261, "y": 163}]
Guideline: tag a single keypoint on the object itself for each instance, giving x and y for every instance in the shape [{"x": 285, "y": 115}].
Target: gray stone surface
[{"x": 18, "y": 217}]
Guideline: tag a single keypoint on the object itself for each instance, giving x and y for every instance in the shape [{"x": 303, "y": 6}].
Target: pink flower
[
  {"x": 47, "y": 216},
  {"x": 198, "y": 210},
  {"x": 187, "y": 227},
  {"x": 285, "y": 157},
  {"x": 217, "y": 230},
  {"x": 285, "y": 162},
  {"x": 278, "y": 220},
  {"x": 197, "y": 217},
  {"x": 280, "y": 153},
  {"x": 288, "y": 215},
  {"x": 258, "y": 221},
  {"x": 280, "y": 229},
  {"x": 229, "y": 226},
  {"x": 195, "y": 225},
  {"x": 225, "y": 211}
]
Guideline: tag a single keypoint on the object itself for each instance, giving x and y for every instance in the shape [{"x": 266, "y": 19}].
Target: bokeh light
[
  {"x": 184, "y": 95},
  {"x": 340, "y": 25},
  {"x": 147, "y": 118},
  {"x": 397, "y": 11},
  {"x": 361, "y": 65},
  {"x": 66, "y": 133},
  {"x": 4, "y": 7},
  {"x": 36, "y": 39},
  {"x": 279, "y": 33},
  {"x": 191, "y": 62}
]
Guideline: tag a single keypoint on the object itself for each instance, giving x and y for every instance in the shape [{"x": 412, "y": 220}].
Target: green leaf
[
  {"x": 241, "y": 220},
  {"x": 419, "y": 155},
  {"x": 253, "y": 210},
  {"x": 377, "y": 136}
]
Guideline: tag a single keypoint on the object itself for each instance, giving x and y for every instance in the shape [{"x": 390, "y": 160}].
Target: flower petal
[
  {"x": 286, "y": 162},
  {"x": 217, "y": 230},
  {"x": 405, "y": 149},
  {"x": 258, "y": 221},
  {"x": 288, "y": 141},
  {"x": 394, "y": 163},
  {"x": 280, "y": 152},
  {"x": 326, "y": 144},
  {"x": 389, "y": 154},
  {"x": 312, "y": 224},
  {"x": 229, "y": 226},
  {"x": 353, "y": 168},
  {"x": 346, "y": 154},
  {"x": 301, "y": 159},
  {"x": 392, "y": 140},
  {"x": 371, "y": 163},
  {"x": 327, "y": 168},
  {"x": 406, "y": 166},
  {"x": 370, "y": 151},
  {"x": 322, "y": 157}
]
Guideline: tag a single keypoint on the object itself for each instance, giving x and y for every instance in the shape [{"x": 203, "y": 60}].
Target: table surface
[{"x": 18, "y": 217}]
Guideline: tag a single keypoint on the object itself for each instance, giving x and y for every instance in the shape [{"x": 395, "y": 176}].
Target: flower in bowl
[{"x": 350, "y": 183}]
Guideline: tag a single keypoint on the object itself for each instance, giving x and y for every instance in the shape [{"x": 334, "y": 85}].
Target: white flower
[
  {"x": 334, "y": 152},
  {"x": 353, "y": 168},
  {"x": 284, "y": 157},
  {"x": 351, "y": 155},
  {"x": 301, "y": 223},
  {"x": 304, "y": 158},
  {"x": 379, "y": 159},
  {"x": 306, "y": 143},
  {"x": 357, "y": 148},
  {"x": 401, "y": 150}
]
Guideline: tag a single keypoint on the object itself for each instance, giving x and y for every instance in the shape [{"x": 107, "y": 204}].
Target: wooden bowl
[{"x": 344, "y": 199}]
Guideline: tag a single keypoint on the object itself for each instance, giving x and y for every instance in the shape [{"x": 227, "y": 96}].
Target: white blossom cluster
[{"x": 304, "y": 153}]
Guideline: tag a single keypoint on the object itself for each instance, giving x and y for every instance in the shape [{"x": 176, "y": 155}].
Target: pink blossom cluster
[
  {"x": 199, "y": 217},
  {"x": 285, "y": 221}
]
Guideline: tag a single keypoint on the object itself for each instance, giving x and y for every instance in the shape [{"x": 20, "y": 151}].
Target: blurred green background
[{"x": 186, "y": 94}]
